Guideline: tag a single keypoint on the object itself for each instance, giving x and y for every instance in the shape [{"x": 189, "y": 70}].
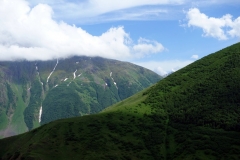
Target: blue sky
[{"x": 162, "y": 35}]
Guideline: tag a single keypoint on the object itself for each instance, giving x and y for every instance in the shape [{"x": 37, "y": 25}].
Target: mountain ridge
[{"x": 95, "y": 83}]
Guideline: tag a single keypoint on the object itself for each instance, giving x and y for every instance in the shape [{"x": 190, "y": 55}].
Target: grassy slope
[
  {"x": 3, "y": 121},
  {"x": 18, "y": 117},
  {"x": 15, "y": 124},
  {"x": 3, "y": 116},
  {"x": 102, "y": 136},
  {"x": 192, "y": 114}
]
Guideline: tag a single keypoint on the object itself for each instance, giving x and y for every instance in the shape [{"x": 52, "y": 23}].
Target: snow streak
[
  {"x": 69, "y": 83},
  {"x": 40, "y": 114},
  {"x": 74, "y": 74},
  {"x": 38, "y": 74},
  {"x": 113, "y": 80},
  {"x": 52, "y": 71}
]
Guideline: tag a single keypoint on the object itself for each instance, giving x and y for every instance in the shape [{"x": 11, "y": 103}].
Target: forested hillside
[{"x": 206, "y": 93}]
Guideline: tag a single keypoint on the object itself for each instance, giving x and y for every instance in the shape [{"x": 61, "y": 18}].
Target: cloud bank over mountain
[
  {"x": 33, "y": 34},
  {"x": 146, "y": 31}
]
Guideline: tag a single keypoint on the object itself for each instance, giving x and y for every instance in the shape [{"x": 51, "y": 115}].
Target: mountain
[
  {"x": 33, "y": 93},
  {"x": 193, "y": 113}
]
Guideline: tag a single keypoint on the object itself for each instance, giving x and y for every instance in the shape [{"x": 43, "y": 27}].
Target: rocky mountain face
[{"x": 33, "y": 93}]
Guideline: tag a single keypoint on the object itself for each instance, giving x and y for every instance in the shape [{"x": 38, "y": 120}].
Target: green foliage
[
  {"x": 205, "y": 93},
  {"x": 62, "y": 102},
  {"x": 24, "y": 93},
  {"x": 31, "y": 112},
  {"x": 11, "y": 99},
  {"x": 17, "y": 120},
  {"x": 3, "y": 119}
]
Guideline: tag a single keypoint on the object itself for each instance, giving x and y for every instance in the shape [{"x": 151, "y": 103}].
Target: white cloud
[
  {"x": 97, "y": 7},
  {"x": 195, "y": 56},
  {"x": 164, "y": 67},
  {"x": 31, "y": 33},
  {"x": 139, "y": 13},
  {"x": 98, "y": 11},
  {"x": 207, "y": 3},
  {"x": 235, "y": 28},
  {"x": 95, "y": 11},
  {"x": 145, "y": 46},
  {"x": 220, "y": 28},
  {"x": 160, "y": 71}
]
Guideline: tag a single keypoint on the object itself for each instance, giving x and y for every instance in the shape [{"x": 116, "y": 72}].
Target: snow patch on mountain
[
  {"x": 52, "y": 71},
  {"x": 115, "y": 84},
  {"x": 113, "y": 80},
  {"x": 74, "y": 74},
  {"x": 40, "y": 114},
  {"x": 38, "y": 74}
]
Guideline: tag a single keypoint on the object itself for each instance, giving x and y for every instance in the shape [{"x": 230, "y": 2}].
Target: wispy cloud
[
  {"x": 221, "y": 28},
  {"x": 32, "y": 33},
  {"x": 98, "y": 11},
  {"x": 195, "y": 56},
  {"x": 145, "y": 47},
  {"x": 204, "y": 3},
  {"x": 95, "y": 11},
  {"x": 164, "y": 67},
  {"x": 138, "y": 13}
]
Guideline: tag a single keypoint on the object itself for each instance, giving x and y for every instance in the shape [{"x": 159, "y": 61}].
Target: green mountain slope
[
  {"x": 35, "y": 93},
  {"x": 191, "y": 114}
]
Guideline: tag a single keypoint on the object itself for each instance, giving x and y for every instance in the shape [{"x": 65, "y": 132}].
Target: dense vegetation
[
  {"x": 65, "y": 103},
  {"x": 192, "y": 114},
  {"x": 11, "y": 105},
  {"x": 205, "y": 93},
  {"x": 64, "y": 88},
  {"x": 31, "y": 112}
]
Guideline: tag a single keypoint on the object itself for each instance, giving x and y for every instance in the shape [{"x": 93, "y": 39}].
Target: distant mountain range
[
  {"x": 37, "y": 92},
  {"x": 193, "y": 113}
]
